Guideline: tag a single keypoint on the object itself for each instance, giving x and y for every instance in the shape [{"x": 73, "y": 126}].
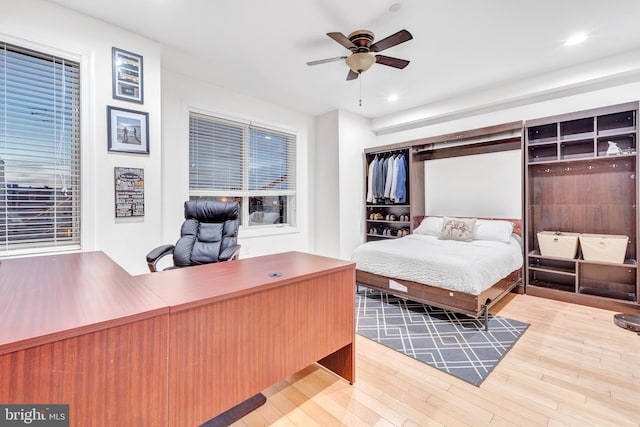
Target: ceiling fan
[{"x": 362, "y": 48}]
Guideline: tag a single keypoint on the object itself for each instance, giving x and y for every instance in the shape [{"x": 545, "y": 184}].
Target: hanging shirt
[
  {"x": 370, "y": 176},
  {"x": 378, "y": 180},
  {"x": 401, "y": 181},
  {"x": 388, "y": 177},
  {"x": 394, "y": 182}
]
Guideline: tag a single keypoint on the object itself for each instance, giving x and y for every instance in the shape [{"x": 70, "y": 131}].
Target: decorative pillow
[
  {"x": 458, "y": 229},
  {"x": 495, "y": 230},
  {"x": 431, "y": 225}
]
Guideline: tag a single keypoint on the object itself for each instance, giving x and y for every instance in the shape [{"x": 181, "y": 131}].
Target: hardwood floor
[{"x": 572, "y": 367}]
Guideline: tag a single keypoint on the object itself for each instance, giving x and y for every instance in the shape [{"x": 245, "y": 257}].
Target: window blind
[
  {"x": 39, "y": 151},
  {"x": 239, "y": 159},
  {"x": 271, "y": 161},
  {"x": 215, "y": 154}
]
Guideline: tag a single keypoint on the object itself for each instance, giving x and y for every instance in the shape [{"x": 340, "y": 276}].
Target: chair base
[{"x": 234, "y": 414}]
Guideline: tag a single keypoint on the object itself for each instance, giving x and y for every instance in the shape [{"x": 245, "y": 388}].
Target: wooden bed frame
[{"x": 460, "y": 302}]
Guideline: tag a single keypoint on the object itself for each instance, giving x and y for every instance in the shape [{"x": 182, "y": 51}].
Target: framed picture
[
  {"x": 128, "y": 130},
  {"x": 129, "y": 191},
  {"x": 127, "y": 76}
]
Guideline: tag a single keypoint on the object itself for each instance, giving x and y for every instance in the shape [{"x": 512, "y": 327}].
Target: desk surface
[
  {"x": 195, "y": 286},
  {"x": 53, "y": 297}
]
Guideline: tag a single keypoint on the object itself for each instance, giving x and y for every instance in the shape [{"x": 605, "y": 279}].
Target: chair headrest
[{"x": 211, "y": 210}]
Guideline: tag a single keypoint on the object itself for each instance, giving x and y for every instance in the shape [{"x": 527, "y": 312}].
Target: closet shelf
[
  {"x": 591, "y": 157},
  {"x": 555, "y": 270}
]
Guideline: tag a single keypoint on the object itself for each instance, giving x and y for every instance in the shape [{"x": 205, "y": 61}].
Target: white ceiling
[{"x": 261, "y": 47}]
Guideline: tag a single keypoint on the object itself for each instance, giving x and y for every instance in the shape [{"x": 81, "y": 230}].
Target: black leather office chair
[{"x": 209, "y": 234}]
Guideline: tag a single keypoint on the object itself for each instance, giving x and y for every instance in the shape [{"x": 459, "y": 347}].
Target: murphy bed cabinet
[
  {"x": 388, "y": 219},
  {"x": 573, "y": 185}
]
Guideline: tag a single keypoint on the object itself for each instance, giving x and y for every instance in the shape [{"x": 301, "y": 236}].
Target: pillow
[
  {"x": 431, "y": 226},
  {"x": 458, "y": 229},
  {"x": 495, "y": 230}
]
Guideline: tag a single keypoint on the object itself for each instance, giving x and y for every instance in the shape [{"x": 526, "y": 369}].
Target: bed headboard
[{"x": 517, "y": 228}]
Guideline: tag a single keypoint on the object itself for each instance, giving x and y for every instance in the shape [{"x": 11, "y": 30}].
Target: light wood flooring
[{"x": 572, "y": 367}]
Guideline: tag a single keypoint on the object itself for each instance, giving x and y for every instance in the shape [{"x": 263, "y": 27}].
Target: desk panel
[
  {"x": 226, "y": 351},
  {"x": 112, "y": 377},
  {"x": 48, "y": 298}
]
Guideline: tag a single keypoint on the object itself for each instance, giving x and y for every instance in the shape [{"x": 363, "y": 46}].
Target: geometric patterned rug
[{"x": 454, "y": 343}]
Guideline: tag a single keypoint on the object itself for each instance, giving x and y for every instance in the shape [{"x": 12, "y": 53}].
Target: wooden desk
[
  {"x": 78, "y": 329},
  {"x": 235, "y": 330},
  {"x": 173, "y": 348}
]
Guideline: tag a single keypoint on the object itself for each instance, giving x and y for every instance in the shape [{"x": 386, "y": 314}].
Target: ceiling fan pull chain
[{"x": 360, "y": 100}]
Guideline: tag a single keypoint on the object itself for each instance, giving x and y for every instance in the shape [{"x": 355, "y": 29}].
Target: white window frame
[
  {"x": 84, "y": 119},
  {"x": 292, "y": 195}
]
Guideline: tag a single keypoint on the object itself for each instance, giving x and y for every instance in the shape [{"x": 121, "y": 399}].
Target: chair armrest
[
  {"x": 229, "y": 254},
  {"x": 156, "y": 254}
]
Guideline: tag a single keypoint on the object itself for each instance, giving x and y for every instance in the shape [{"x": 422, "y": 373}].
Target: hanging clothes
[
  {"x": 370, "y": 176},
  {"x": 379, "y": 179}
]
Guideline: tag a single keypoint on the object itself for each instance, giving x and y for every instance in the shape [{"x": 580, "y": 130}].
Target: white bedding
[{"x": 468, "y": 267}]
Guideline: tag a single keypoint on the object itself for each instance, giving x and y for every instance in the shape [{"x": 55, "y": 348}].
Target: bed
[{"x": 461, "y": 264}]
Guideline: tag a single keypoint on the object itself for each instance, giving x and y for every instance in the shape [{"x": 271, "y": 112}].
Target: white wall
[
  {"x": 180, "y": 93},
  {"x": 339, "y": 207},
  {"x": 46, "y": 27},
  {"x": 355, "y": 135},
  {"x": 325, "y": 214},
  {"x": 485, "y": 185}
]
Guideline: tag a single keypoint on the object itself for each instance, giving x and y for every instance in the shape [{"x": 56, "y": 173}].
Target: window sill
[{"x": 263, "y": 231}]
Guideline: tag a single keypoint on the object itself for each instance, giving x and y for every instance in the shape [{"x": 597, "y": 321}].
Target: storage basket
[
  {"x": 603, "y": 247},
  {"x": 558, "y": 244}
]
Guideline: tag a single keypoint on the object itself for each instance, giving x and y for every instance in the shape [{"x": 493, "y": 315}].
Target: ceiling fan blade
[
  {"x": 324, "y": 61},
  {"x": 352, "y": 75},
  {"x": 343, "y": 40},
  {"x": 394, "y": 39},
  {"x": 391, "y": 62}
]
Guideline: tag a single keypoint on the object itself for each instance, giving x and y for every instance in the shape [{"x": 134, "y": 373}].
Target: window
[
  {"x": 39, "y": 152},
  {"x": 253, "y": 165}
]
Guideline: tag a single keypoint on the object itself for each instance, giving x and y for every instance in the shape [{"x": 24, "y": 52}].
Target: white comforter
[{"x": 468, "y": 267}]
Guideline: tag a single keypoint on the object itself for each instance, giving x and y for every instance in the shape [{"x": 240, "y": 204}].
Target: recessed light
[
  {"x": 576, "y": 39},
  {"x": 392, "y": 98}
]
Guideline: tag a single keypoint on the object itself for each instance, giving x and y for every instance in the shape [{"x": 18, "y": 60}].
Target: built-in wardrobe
[
  {"x": 388, "y": 219},
  {"x": 573, "y": 182},
  {"x": 395, "y": 193},
  {"x": 581, "y": 177}
]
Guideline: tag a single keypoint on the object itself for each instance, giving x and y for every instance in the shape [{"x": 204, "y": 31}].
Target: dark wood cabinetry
[
  {"x": 574, "y": 183},
  {"x": 386, "y": 218}
]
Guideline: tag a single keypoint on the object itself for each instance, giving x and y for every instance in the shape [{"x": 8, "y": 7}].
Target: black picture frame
[
  {"x": 128, "y": 76},
  {"x": 127, "y": 130}
]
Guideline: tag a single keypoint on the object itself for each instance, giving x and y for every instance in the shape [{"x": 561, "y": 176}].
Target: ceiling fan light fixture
[{"x": 360, "y": 62}]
